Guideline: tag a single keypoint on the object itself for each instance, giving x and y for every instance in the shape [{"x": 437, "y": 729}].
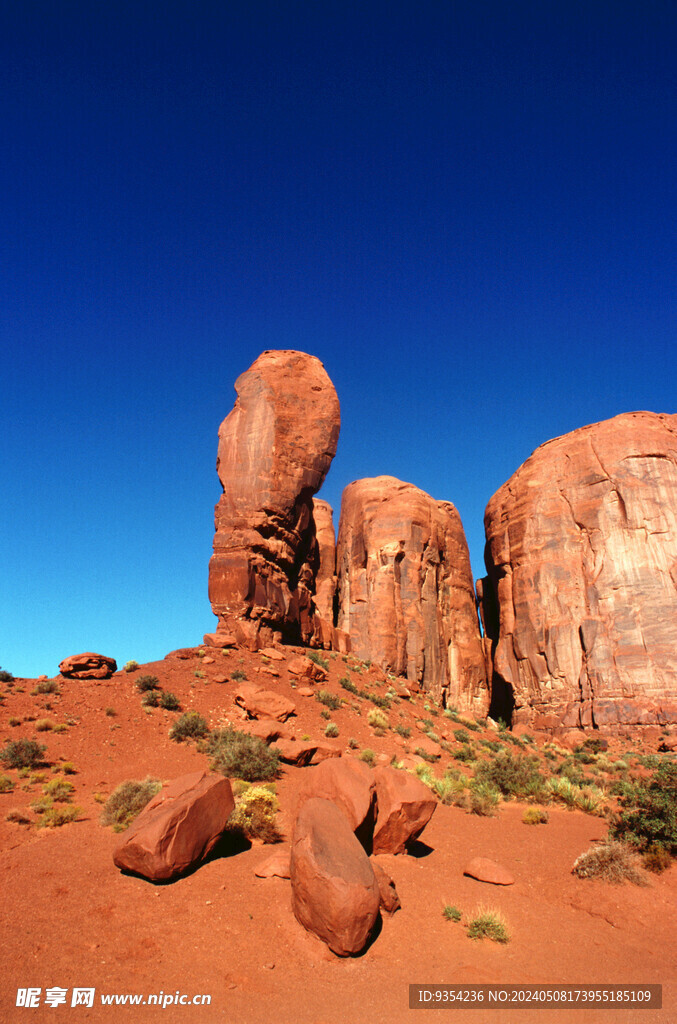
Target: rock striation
[
  {"x": 275, "y": 449},
  {"x": 580, "y": 600},
  {"x": 88, "y": 666},
  {"x": 405, "y": 589}
]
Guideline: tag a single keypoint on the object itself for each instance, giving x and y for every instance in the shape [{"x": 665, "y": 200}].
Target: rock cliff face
[
  {"x": 581, "y": 596},
  {"x": 275, "y": 448},
  {"x": 406, "y": 594}
]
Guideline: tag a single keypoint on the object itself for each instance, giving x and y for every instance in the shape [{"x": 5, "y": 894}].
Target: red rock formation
[
  {"x": 485, "y": 870},
  {"x": 88, "y": 666},
  {"x": 260, "y": 703},
  {"x": 325, "y": 579},
  {"x": 581, "y": 596},
  {"x": 351, "y": 785},
  {"x": 405, "y": 806},
  {"x": 275, "y": 448},
  {"x": 406, "y": 593},
  {"x": 178, "y": 828},
  {"x": 335, "y": 894},
  {"x": 390, "y": 900}
]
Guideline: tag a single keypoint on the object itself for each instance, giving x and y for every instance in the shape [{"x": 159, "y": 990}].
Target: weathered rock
[
  {"x": 581, "y": 595},
  {"x": 406, "y": 594},
  {"x": 351, "y": 785},
  {"x": 335, "y": 894},
  {"x": 267, "y": 729},
  {"x": 305, "y": 752},
  {"x": 405, "y": 806},
  {"x": 274, "y": 866},
  {"x": 485, "y": 870},
  {"x": 260, "y": 703},
  {"x": 275, "y": 448},
  {"x": 390, "y": 901},
  {"x": 178, "y": 828},
  {"x": 271, "y": 653},
  {"x": 88, "y": 666}
]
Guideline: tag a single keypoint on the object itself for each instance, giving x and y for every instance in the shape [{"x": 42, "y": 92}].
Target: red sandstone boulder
[
  {"x": 405, "y": 806},
  {"x": 580, "y": 601},
  {"x": 178, "y": 828},
  {"x": 305, "y": 752},
  {"x": 390, "y": 901},
  {"x": 274, "y": 866},
  {"x": 335, "y": 894},
  {"x": 88, "y": 666},
  {"x": 406, "y": 593},
  {"x": 267, "y": 729},
  {"x": 260, "y": 703},
  {"x": 350, "y": 784},
  {"x": 275, "y": 448},
  {"x": 485, "y": 870}
]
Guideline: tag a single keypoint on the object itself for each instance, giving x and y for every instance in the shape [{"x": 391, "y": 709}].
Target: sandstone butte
[
  {"x": 405, "y": 589},
  {"x": 580, "y": 600},
  {"x": 275, "y": 448}
]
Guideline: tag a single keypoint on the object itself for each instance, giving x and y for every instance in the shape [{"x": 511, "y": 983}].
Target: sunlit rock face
[
  {"x": 275, "y": 449},
  {"x": 580, "y": 601},
  {"x": 406, "y": 594}
]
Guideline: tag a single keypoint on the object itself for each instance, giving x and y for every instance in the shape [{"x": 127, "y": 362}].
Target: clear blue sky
[{"x": 465, "y": 209}]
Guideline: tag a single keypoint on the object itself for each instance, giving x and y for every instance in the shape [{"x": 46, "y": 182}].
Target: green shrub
[
  {"x": 127, "y": 801},
  {"x": 239, "y": 675},
  {"x": 403, "y": 730},
  {"x": 451, "y": 913},
  {"x": 513, "y": 776},
  {"x": 189, "y": 725},
  {"x": 131, "y": 666},
  {"x": 44, "y": 725},
  {"x": 348, "y": 684},
  {"x": 461, "y": 735},
  {"x": 611, "y": 861},
  {"x": 488, "y": 924},
  {"x": 254, "y": 815},
  {"x": 377, "y": 719},
  {"x": 352, "y": 743},
  {"x": 6, "y": 784},
  {"x": 169, "y": 702},
  {"x": 22, "y": 754},
  {"x": 317, "y": 659},
  {"x": 6, "y": 677},
  {"x": 420, "y": 752},
  {"x": 151, "y": 699},
  {"x": 483, "y": 798},
  {"x": 110, "y": 712},
  {"x": 146, "y": 683},
  {"x": 14, "y": 721},
  {"x": 45, "y": 686},
  {"x": 55, "y": 817},
  {"x": 649, "y": 815},
  {"x": 59, "y": 790},
  {"x": 330, "y": 700},
  {"x": 656, "y": 859},
  {"x": 465, "y": 754},
  {"x": 368, "y": 756},
  {"x": 332, "y": 730},
  {"x": 377, "y": 699},
  {"x": 238, "y": 755},
  {"x": 535, "y": 816}
]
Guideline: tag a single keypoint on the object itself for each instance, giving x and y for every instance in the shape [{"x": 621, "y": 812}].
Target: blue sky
[{"x": 465, "y": 209}]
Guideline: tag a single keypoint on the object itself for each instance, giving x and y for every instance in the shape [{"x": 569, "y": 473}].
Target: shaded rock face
[
  {"x": 275, "y": 449},
  {"x": 406, "y": 594},
  {"x": 178, "y": 828},
  {"x": 405, "y": 806},
  {"x": 335, "y": 894},
  {"x": 88, "y": 666},
  {"x": 580, "y": 601}
]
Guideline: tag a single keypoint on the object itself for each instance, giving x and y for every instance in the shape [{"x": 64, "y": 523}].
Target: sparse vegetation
[
  {"x": 44, "y": 725},
  {"x": 6, "y": 677},
  {"x": 6, "y": 784},
  {"x": 18, "y": 817},
  {"x": 238, "y": 755},
  {"x": 55, "y": 817},
  {"x": 483, "y": 798},
  {"x": 513, "y": 776},
  {"x": 649, "y": 814},
  {"x": 488, "y": 924},
  {"x": 22, "y": 753},
  {"x": 368, "y": 756},
  {"x": 535, "y": 816},
  {"x": 656, "y": 859},
  {"x": 610, "y": 861},
  {"x": 420, "y": 752},
  {"x": 377, "y": 720},
  {"x": 330, "y": 700},
  {"x": 127, "y": 801},
  {"x": 317, "y": 659},
  {"x": 451, "y": 913},
  {"x": 403, "y": 730},
  {"x": 188, "y": 726},
  {"x": 238, "y": 676},
  {"x": 131, "y": 666},
  {"x": 14, "y": 721},
  {"x": 151, "y": 699},
  {"x": 59, "y": 790},
  {"x": 348, "y": 684},
  {"x": 169, "y": 701},
  {"x": 110, "y": 712},
  {"x": 146, "y": 683},
  {"x": 45, "y": 686},
  {"x": 254, "y": 814},
  {"x": 332, "y": 730}
]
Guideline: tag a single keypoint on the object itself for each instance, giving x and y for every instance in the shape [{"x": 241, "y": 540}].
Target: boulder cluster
[{"x": 578, "y": 624}]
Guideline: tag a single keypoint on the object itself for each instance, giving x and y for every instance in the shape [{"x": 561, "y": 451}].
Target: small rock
[
  {"x": 260, "y": 703},
  {"x": 390, "y": 901},
  {"x": 274, "y": 866},
  {"x": 270, "y": 652},
  {"x": 485, "y": 870},
  {"x": 305, "y": 691}
]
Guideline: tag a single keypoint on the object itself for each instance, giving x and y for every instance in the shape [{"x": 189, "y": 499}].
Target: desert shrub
[
  {"x": 18, "y": 817},
  {"x": 377, "y": 699},
  {"x": 348, "y": 684},
  {"x": 46, "y": 686},
  {"x": 513, "y": 776},
  {"x": 469, "y": 723},
  {"x": 151, "y": 699},
  {"x": 169, "y": 702},
  {"x": 22, "y": 753},
  {"x": 535, "y": 816},
  {"x": 110, "y": 712},
  {"x": 6, "y": 784},
  {"x": 14, "y": 721},
  {"x": 368, "y": 756},
  {"x": 377, "y": 720},
  {"x": 238, "y": 755},
  {"x": 649, "y": 814},
  {"x": 330, "y": 700},
  {"x": 465, "y": 753},
  {"x": 254, "y": 815},
  {"x": 656, "y": 859},
  {"x": 488, "y": 924},
  {"x": 325, "y": 714},
  {"x": 451, "y": 913},
  {"x": 589, "y": 799},
  {"x": 610, "y": 861},
  {"x": 431, "y": 758},
  {"x": 493, "y": 745},
  {"x": 127, "y": 801},
  {"x": 403, "y": 730},
  {"x": 131, "y": 666},
  {"x": 6, "y": 677},
  {"x": 317, "y": 659},
  {"x": 332, "y": 729},
  {"x": 483, "y": 798},
  {"x": 44, "y": 725},
  {"x": 450, "y": 789},
  {"x": 68, "y": 768},
  {"x": 352, "y": 743},
  {"x": 146, "y": 683},
  {"x": 60, "y": 727},
  {"x": 55, "y": 817},
  {"x": 461, "y": 735},
  {"x": 190, "y": 725},
  {"x": 59, "y": 790},
  {"x": 239, "y": 675}
]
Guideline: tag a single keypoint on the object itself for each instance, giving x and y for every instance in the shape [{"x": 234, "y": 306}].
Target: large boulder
[
  {"x": 88, "y": 666},
  {"x": 335, "y": 894},
  {"x": 406, "y": 594},
  {"x": 275, "y": 448},
  {"x": 580, "y": 601},
  {"x": 178, "y": 828},
  {"x": 405, "y": 806},
  {"x": 260, "y": 703},
  {"x": 350, "y": 784}
]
